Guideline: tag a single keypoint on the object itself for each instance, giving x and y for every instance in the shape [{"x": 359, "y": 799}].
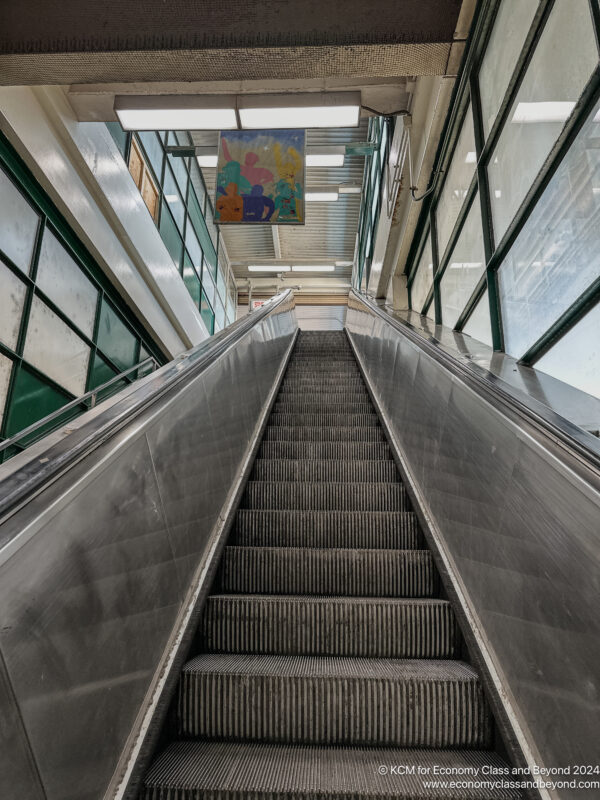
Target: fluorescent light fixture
[
  {"x": 547, "y": 111},
  {"x": 471, "y": 158},
  {"x": 320, "y": 196},
  {"x": 171, "y": 198},
  {"x": 268, "y": 268},
  {"x": 170, "y": 112},
  {"x": 313, "y": 268},
  {"x": 344, "y": 263},
  {"x": 207, "y": 161},
  {"x": 326, "y": 156},
  {"x": 307, "y": 110},
  {"x": 350, "y": 189}
]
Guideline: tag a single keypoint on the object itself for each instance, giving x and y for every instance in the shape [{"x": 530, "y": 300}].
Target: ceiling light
[
  {"x": 312, "y": 268},
  {"x": 344, "y": 263},
  {"x": 350, "y": 189},
  {"x": 175, "y": 112},
  {"x": 548, "y": 111},
  {"x": 321, "y": 196},
  {"x": 326, "y": 156},
  {"x": 207, "y": 161},
  {"x": 309, "y": 110},
  {"x": 269, "y": 268}
]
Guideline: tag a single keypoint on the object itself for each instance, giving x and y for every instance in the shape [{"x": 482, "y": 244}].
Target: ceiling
[{"x": 329, "y": 233}]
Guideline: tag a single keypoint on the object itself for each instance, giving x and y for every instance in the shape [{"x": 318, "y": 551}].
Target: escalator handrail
[
  {"x": 577, "y": 445},
  {"x": 21, "y": 484}
]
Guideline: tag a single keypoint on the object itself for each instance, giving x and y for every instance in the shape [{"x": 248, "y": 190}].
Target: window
[
  {"x": 18, "y": 225},
  {"x": 478, "y": 325},
  {"x": 465, "y": 267},
  {"x": 143, "y": 180},
  {"x": 560, "y": 67},
  {"x": 423, "y": 279}
]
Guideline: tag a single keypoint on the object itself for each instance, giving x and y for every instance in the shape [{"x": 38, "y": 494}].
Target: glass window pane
[
  {"x": 55, "y": 349},
  {"x": 115, "y": 339},
  {"x": 61, "y": 278},
  {"x": 154, "y": 151},
  {"x": 102, "y": 372},
  {"x": 511, "y": 27},
  {"x": 179, "y": 167},
  {"x": 201, "y": 230},
  {"x": 219, "y": 316},
  {"x": 5, "y": 368},
  {"x": 206, "y": 313},
  {"x": 173, "y": 197},
  {"x": 423, "y": 278},
  {"x": 119, "y": 136},
  {"x": 197, "y": 184},
  {"x": 33, "y": 399},
  {"x": 557, "y": 254},
  {"x": 207, "y": 283},
  {"x": 221, "y": 283},
  {"x": 12, "y": 297},
  {"x": 575, "y": 358},
  {"x": 478, "y": 325},
  {"x": 193, "y": 247},
  {"x": 466, "y": 266},
  {"x": 191, "y": 280},
  {"x": 18, "y": 224},
  {"x": 210, "y": 224},
  {"x": 456, "y": 185},
  {"x": 563, "y": 60},
  {"x": 170, "y": 235}
]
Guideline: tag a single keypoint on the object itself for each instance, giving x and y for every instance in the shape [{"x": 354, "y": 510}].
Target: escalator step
[
  {"x": 325, "y": 700},
  {"x": 325, "y": 496},
  {"x": 213, "y": 770},
  {"x": 331, "y": 433},
  {"x": 319, "y": 403},
  {"x": 335, "y": 626},
  {"x": 325, "y": 420},
  {"x": 268, "y": 469},
  {"x": 375, "y": 530},
  {"x": 346, "y": 451},
  {"x": 349, "y": 572}
]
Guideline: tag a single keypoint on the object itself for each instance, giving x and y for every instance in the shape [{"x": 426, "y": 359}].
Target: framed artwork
[{"x": 260, "y": 177}]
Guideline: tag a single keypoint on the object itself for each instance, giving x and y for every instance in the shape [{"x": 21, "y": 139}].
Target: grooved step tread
[
  {"x": 324, "y": 419},
  {"x": 347, "y": 451},
  {"x": 271, "y": 469},
  {"x": 322, "y": 404},
  {"x": 335, "y": 626},
  {"x": 339, "y": 433},
  {"x": 310, "y": 699},
  {"x": 302, "y": 570},
  {"x": 205, "y": 770},
  {"x": 325, "y": 496},
  {"x": 374, "y": 530}
]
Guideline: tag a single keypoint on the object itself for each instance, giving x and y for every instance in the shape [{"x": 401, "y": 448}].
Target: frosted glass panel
[
  {"x": 467, "y": 264},
  {"x": 5, "y": 368},
  {"x": 12, "y": 297},
  {"x": 456, "y": 185},
  {"x": 423, "y": 279},
  {"x": 560, "y": 67},
  {"x": 61, "y": 278},
  {"x": 575, "y": 359},
  {"x": 18, "y": 224},
  {"x": 55, "y": 349},
  {"x": 478, "y": 325},
  {"x": 511, "y": 27},
  {"x": 557, "y": 254}
]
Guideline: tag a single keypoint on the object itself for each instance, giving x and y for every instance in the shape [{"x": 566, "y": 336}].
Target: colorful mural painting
[{"x": 260, "y": 177}]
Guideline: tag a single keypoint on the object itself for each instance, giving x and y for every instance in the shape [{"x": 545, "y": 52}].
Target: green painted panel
[
  {"x": 34, "y": 399},
  {"x": 191, "y": 280},
  {"x": 170, "y": 235},
  {"x": 102, "y": 373},
  {"x": 207, "y": 314},
  {"x": 199, "y": 224},
  {"x": 115, "y": 339}
]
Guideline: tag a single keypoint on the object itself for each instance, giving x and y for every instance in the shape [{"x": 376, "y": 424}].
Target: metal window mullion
[
  {"x": 570, "y": 317},
  {"x": 595, "y": 11},
  {"x": 94, "y": 340},
  {"x": 435, "y": 258}
]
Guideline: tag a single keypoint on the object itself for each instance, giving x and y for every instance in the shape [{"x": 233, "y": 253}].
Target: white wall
[
  {"x": 321, "y": 318},
  {"x": 80, "y": 167}
]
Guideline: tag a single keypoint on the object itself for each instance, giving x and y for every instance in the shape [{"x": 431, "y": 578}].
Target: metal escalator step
[
  {"x": 325, "y": 496},
  {"x": 327, "y": 700},
  {"x": 212, "y": 770},
  {"x": 355, "y": 388},
  {"x": 335, "y": 626},
  {"x": 338, "y": 450},
  {"x": 374, "y": 530},
  {"x": 347, "y": 572},
  {"x": 269, "y": 469},
  {"x": 321, "y": 403},
  {"x": 326, "y": 420},
  {"x": 315, "y": 433}
]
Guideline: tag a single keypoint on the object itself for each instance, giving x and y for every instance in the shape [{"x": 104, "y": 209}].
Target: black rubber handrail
[
  {"x": 23, "y": 483},
  {"x": 581, "y": 448}
]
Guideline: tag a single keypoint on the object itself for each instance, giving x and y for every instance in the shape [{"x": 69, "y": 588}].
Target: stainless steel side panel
[
  {"x": 99, "y": 566},
  {"x": 519, "y": 532}
]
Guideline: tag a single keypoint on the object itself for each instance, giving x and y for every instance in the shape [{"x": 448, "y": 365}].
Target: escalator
[{"x": 328, "y": 663}]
